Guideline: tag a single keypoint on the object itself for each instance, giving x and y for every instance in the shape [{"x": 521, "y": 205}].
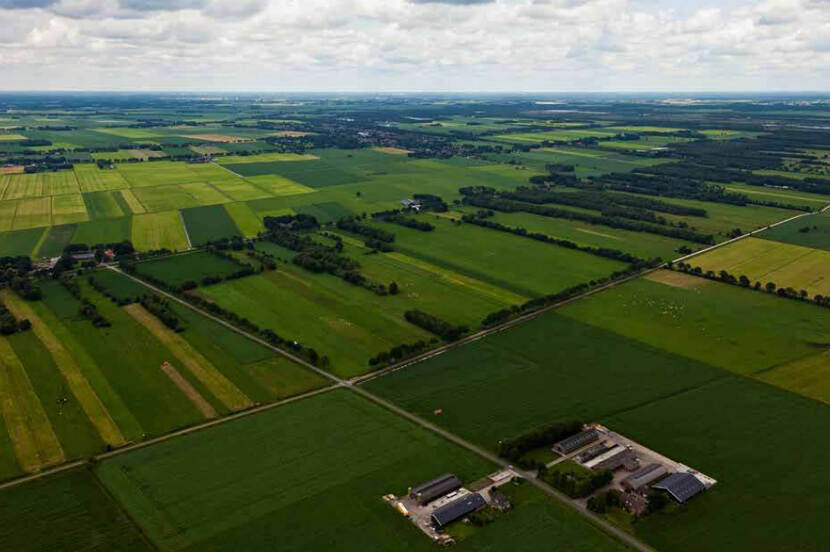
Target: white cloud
[{"x": 414, "y": 45}]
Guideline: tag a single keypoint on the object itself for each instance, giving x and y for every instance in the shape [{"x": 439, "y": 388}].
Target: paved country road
[{"x": 351, "y": 384}]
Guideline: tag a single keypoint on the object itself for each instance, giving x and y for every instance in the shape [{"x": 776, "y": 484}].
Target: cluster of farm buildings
[
  {"x": 637, "y": 470},
  {"x": 437, "y": 503}
]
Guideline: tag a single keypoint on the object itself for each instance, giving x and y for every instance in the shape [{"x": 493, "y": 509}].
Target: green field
[
  {"x": 71, "y": 511},
  {"x": 154, "y": 231},
  {"x": 337, "y": 319},
  {"x": 640, "y": 244},
  {"x": 744, "y": 331},
  {"x": 559, "y": 367},
  {"x": 189, "y": 267},
  {"x": 536, "y": 373},
  {"x": 88, "y": 398},
  {"x": 103, "y": 231},
  {"x": 303, "y": 462},
  {"x": 57, "y": 237},
  {"x": 316, "y": 174},
  {"x": 811, "y": 231},
  {"x": 517, "y": 264},
  {"x": 20, "y": 242},
  {"x": 784, "y": 264},
  {"x": 209, "y": 223}
]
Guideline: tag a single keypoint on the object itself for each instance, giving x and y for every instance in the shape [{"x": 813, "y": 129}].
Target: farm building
[
  {"x": 595, "y": 451},
  {"x": 457, "y": 509},
  {"x": 617, "y": 457},
  {"x": 643, "y": 477},
  {"x": 681, "y": 486},
  {"x": 574, "y": 442},
  {"x": 438, "y": 487}
]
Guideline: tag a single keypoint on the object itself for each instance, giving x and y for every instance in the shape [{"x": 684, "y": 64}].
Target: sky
[{"x": 416, "y": 45}]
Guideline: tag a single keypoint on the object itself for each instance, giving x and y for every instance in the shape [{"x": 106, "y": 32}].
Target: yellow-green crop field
[{"x": 764, "y": 261}]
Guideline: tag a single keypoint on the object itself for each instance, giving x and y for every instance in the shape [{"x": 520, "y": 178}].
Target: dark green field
[
  {"x": 189, "y": 267},
  {"x": 56, "y": 239},
  {"x": 539, "y": 373},
  {"x": 812, "y": 231},
  {"x": 317, "y": 174},
  {"x": 324, "y": 463},
  {"x": 19, "y": 242},
  {"x": 208, "y": 223},
  {"x": 71, "y": 511}
]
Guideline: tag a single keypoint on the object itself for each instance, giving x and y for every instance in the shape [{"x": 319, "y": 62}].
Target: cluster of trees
[
  {"x": 603, "y": 502},
  {"x": 666, "y": 185},
  {"x": 296, "y": 222},
  {"x": 160, "y": 308},
  {"x": 401, "y": 352},
  {"x": 514, "y": 448},
  {"x": 493, "y": 201},
  {"x": 435, "y": 325},
  {"x": 9, "y": 324},
  {"x": 699, "y": 172},
  {"x": 354, "y": 226},
  {"x": 23, "y": 285},
  {"x": 101, "y": 288},
  {"x": 377, "y": 245},
  {"x": 606, "y": 252},
  {"x": 577, "y": 484},
  {"x": 268, "y": 335},
  {"x": 87, "y": 308},
  {"x": 410, "y": 222},
  {"x": 599, "y": 200},
  {"x": 318, "y": 258},
  {"x": 431, "y": 202}
]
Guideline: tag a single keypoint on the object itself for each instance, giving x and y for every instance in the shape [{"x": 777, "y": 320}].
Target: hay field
[
  {"x": 152, "y": 231},
  {"x": 765, "y": 261}
]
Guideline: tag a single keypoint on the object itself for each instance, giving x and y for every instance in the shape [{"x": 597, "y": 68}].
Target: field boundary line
[
  {"x": 186, "y": 233},
  {"x": 598, "y": 522}
]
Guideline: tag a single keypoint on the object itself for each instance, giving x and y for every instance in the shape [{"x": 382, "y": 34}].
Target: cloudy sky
[{"x": 415, "y": 45}]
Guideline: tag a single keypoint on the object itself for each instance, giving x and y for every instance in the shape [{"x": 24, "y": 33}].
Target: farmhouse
[
  {"x": 681, "y": 486},
  {"x": 642, "y": 477},
  {"x": 457, "y": 509},
  {"x": 574, "y": 442},
  {"x": 438, "y": 487}
]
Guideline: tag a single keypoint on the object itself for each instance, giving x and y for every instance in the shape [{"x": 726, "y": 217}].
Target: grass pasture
[
  {"x": 189, "y": 267},
  {"x": 209, "y": 223},
  {"x": 152, "y": 231},
  {"x": 812, "y": 231},
  {"x": 56, "y": 239},
  {"x": 93, "y": 179},
  {"x": 103, "y": 231},
  {"x": 103, "y": 205},
  {"x": 20, "y": 242},
  {"x": 33, "y": 213},
  {"x": 534, "y": 374},
  {"x": 71, "y": 511},
  {"x": 523, "y": 266},
  {"x": 343, "y": 450},
  {"x": 244, "y": 218},
  {"x": 761, "y": 260},
  {"x": 315, "y": 174},
  {"x": 68, "y": 208}
]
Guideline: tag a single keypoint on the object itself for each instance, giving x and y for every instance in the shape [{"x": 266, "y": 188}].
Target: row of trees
[
  {"x": 745, "y": 282},
  {"x": 9, "y": 324},
  {"x": 608, "y": 253},
  {"x": 435, "y": 325},
  {"x": 494, "y": 202},
  {"x": 577, "y": 483},
  {"x": 513, "y": 448}
]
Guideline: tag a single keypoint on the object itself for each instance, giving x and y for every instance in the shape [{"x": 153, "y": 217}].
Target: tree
[
  {"x": 770, "y": 287},
  {"x": 393, "y": 288},
  {"x": 744, "y": 281}
]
